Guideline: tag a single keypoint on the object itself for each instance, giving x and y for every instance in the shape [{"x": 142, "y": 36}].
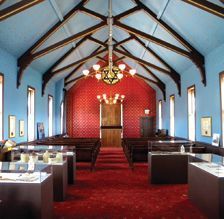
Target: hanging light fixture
[
  {"x": 110, "y": 74},
  {"x": 111, "y": 99}
]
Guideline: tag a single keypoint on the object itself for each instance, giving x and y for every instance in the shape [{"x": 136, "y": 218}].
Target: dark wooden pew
[
  {"x": 87, "y": 149},
  {"x": 136, "y": 149}
]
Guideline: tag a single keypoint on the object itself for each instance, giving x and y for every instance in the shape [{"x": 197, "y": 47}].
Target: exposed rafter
[
  {"x": 80, "y": 65},
  {"x": 160, "y": 84},
  {"x": 49, "y": 73},
  {"x": 2, "y": 1},
  {"x": 93, "y": 14},
  {"x": 97, "y": 41},
  {"x": 25, "y": 60},
  {"x": 79, "y": 61},
  {"x": 173, "y": 74},
  {"x": 23, "y": 65},
  {"x": 142, "y": 61},
  {"x": 127, "y": 13},
  {"x": 153, "y": 82},
  {"x": 190, "y": 55},
  {"x": 17, "y": 8},
  {"x": 207, "y": 6},
  {"x": 74, "y": 80}
]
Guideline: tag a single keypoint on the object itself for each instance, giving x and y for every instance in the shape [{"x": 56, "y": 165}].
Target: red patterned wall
[{"x": 83, "y": 119}]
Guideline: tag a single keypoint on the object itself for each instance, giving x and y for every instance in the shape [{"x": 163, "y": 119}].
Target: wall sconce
[{"x": 147, "y": 111}]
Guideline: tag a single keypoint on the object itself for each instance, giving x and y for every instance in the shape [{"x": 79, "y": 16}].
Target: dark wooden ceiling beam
[
  {"x": 192, "y": 56},
  {"x": 207, "y": 6},
  {"x": 56, "y": 27},
  {"x": 152, "y": 39},
  {"x": 79, "y": 61},
  {"x": 47, "y": 75},
  {"x": 159, "y": 84},
  {"x": 97, "y": 41},
  {"x": 196, "y": 57},
  {"x": 93, "y": 14},
  {"x": 68, "y": 40},
  {"x": 123, "y": 41},
  {"x": 102, "y": 59},
  {"x": 2, "y": 1},
  {"x": 17, "y": 8},
  {"x": 79, "y": 66},
  {"x": 74, "y": 80},
  {"x": 25, "y": 60},
  {"x": 127, "y": 13},
  {"x": 142, "y": 61},
  {"x": 173, "y": 74},
  {"x": 163, "y": 90},
  {"x": 28, "y": 59}
]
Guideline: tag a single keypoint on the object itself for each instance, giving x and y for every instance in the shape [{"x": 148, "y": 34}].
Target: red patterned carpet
[{"x": 114, "y": 191}]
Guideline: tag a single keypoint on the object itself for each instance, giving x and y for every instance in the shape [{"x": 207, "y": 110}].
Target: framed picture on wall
[
  {"x": 40, "y": 130},
  {"x": 12, "y": 126},
  {"x": 206, "y": 126},
  {"x": 21, "y": 128},
  {"x": 215, "y": 139}
]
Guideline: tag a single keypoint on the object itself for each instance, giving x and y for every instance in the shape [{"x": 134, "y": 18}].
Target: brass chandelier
[{"x": 110, "y": 74}]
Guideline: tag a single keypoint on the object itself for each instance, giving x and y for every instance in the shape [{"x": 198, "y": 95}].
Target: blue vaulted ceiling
[{"x": 204, "y": 31}]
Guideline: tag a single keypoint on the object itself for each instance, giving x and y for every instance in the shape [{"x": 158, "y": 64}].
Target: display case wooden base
[
  {"x": 206, "y": 190},
  {"x": 27, "y": 200},
  {"x": 167, "y": 168}
]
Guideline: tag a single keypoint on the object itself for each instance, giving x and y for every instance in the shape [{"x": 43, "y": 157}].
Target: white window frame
[
  {"x": 222, "y": 104},
  {"x": 172, "y": 115},
  {"x": 191, "y": 105},
  {"x": 1, "y": 106},
  {"x": 50, "y": 115},
  {"x": 160, "y": 105},
  {"x": 62, "y": 117},
  {"x": 30, "y": 113}
]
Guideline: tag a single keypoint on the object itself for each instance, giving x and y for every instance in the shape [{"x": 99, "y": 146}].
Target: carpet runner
[{"x": 113, "y": 191}]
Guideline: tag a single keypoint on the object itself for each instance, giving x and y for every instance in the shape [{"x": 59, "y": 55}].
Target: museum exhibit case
[
  {"x": 26, "y": 190},
  {"x": 44, "y": 152},
  {"x": 55, "y": 159},
  {"x": 206, "y": 187},
  {"x": 168, "y": 161}
]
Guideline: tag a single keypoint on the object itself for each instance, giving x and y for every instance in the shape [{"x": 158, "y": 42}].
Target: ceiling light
[
  {"x": 96, "y": 67},
  {"x": 122, "y": 67},
  {"x": 85, "y": 72},
  {"x": 132, "y": 72}
]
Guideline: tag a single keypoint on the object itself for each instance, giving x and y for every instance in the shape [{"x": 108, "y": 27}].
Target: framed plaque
[
  {"x": 12, "y": 126},
  {"x": 206, "y": 126},
  {"x": 21, "y": 128}
]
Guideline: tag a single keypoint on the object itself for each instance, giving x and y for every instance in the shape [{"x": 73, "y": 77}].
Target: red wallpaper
[{"x": 83, "y": 119}]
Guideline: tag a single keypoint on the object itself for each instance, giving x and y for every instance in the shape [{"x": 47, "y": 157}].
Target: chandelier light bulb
[
  {"x": 120, "y": 76},
  {"x": 98, "y": 97},
  {"x": 98, "y": 76},
  {"x": 104, "y": 96},
  {"x": 122, "y": 67},
  {"x": 122, "y": 96},
  {"x": 85, "y": 72},
  {"x": 132, "y": 71},
  {"x": 96, "y": 67}
]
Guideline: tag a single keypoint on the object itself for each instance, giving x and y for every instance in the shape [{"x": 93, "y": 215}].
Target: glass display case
[
  {"x": 26, "y": 191},
  {"x": 206, "y": 184},
  {"x": 48, "y": 154},
  {"x": 24, "y": 172},
  {"x": 169, "y": 147}
]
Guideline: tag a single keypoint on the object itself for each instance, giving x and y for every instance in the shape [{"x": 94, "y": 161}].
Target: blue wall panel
[
  {"x": 207, "y": 98},
  {"x": 15, "y": 100}
]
